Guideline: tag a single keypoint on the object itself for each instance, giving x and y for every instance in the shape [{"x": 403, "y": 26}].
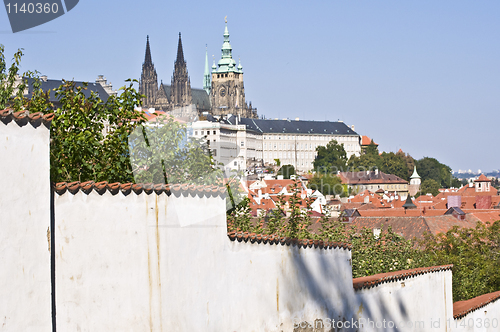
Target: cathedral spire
[
  {"x": 180, "y": 53},
  {"x": 226, "y": 63},
  {"x": 206, "y": 75},
  {"x": 147, "y": 57}
]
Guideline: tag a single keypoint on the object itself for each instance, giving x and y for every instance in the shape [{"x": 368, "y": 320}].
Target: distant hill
[{"x": 461, "y": 175}]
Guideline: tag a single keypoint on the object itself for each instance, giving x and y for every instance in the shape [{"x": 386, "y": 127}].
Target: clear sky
[{"x": 423, "y": 76}]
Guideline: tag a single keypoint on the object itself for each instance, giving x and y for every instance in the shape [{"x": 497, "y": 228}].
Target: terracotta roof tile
[
  {"x": 482, "y": 178},
  {"x": 462, "y": 308},
  {"x": 377, "y": 279},
  {"x": 274, "y": 239},
  {"x": 22, "y": 118},
  {"x": 148, "y": 188}
]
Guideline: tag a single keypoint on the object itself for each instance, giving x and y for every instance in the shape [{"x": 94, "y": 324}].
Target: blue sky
[{"x": 423, "y": 76}]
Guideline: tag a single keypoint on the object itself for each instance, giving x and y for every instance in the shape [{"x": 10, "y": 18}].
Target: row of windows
[
  {"x": 203, "y": 132},
  {"x": 289, "y": 155},
  {"x": 392, "y": 186},
  {"x": 313, "y": 138}
]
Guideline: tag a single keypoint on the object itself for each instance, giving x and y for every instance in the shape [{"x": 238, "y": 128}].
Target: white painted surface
[
  {"x": 485, "y": 319},
  {"x": 421, "y": 303},
  {"x": 148, "y": 262},
  {"x": 25, "y": 301}
]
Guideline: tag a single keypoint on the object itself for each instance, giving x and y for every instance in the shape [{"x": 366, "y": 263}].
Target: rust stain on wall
[
  {"x": 48, "y": 237},
  {"x": 277, "y": 294}
]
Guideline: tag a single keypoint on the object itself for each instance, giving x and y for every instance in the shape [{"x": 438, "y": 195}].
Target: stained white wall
[
  {"x": 420, "y": 303},
  {"x": 25, "y": 293},
  {"x": 149, "y": 262},
  {"x": 485, "y": 319}
]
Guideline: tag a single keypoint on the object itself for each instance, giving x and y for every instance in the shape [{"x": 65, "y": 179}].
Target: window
[
  {"x": 195, "y": 133},
  {"x": 201, "y": 132},
  {"x": 214, "y": 132},
  {"x": 242, "y": 143},
  {"x": 235, "y": 163},
  {"x": 214, "y": 152}
]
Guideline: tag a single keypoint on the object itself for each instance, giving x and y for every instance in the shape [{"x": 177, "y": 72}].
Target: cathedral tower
[
  {"x": 180, "y": 92},
  {"x": 228, "y": 92},
  {"x": 148, "y": 85}
]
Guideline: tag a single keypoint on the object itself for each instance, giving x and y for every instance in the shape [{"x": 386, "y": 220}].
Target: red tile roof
[
  {"x": 462, "y": 308},
  {"x": 274, "y": 239},
  {"x": 22, "y": 118},
  {"x": 482, "y": 178},
  {"x": 126, "y": 188},
  {"x": 377, "y": 279},
  {"x": 365, "y": 140}
]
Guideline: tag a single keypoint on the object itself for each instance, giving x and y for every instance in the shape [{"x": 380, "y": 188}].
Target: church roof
[
  {"x": 180, "y": 53},
  {"x": 199, "y": 97}
]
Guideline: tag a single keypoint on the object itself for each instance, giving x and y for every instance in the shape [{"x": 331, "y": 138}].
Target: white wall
[
  {"x": 419, "y": 303},
  {"x": 141, "y": 262},
  {"x": 25, "y": 293},
  {"x": 484, "y": 319}
]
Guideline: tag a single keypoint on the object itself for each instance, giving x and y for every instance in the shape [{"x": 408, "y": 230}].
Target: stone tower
[
  {"x": 228, "y": 93},
  {"x": 148, "y": 85},
  {"x": 180, "y": 93}
]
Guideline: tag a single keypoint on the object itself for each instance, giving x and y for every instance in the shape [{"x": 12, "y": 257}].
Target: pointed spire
[
  {"x": 180, "y": 53},
  {"x": 206, "y": 75},
  {"x": 226, "y": 63},
  {"x": 147, "y": 58}
]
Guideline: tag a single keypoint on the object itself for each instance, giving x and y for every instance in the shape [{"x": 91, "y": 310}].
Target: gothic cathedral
[{"x": 225, "y": 95}]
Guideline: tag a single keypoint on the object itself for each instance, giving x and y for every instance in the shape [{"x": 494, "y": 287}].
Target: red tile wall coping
[
  {"x": 377, "y": 279},
  {"x": 274, "y": 239},
  {"x": 22, "y": 118},
  {"x": 462, "y": 308},
  {"x": 148, "y": 188}
]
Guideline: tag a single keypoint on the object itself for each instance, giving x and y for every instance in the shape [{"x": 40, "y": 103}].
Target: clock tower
[{"x": 228, "y": 93}]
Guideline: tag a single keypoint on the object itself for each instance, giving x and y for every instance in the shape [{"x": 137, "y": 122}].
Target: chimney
[{"x": 43, "y": 78}]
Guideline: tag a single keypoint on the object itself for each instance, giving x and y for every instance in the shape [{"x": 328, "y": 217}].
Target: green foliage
[
  {"x": 286, "y": 171},
  {"x": 410, "y": 163},
  {"x": 81, "y": 150},
  {"x": 327, "y": 184},
  {"x": 392, "y": 163},
  {"x": 331, "y": 158},
  {"x": 429, "y": 186},
  {"x": 430, "y": 168},
  {"x": 475, "y": 255},
  {"x": 278, "y": 162}
]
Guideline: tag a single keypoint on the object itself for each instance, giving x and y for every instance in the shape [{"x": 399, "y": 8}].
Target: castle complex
[{"x": 225, "y": 94}]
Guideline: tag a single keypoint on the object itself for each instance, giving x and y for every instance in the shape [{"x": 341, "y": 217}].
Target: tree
[
  {"x": 474, "y": 253},
  {"x": 430, "y": 168},
  {"x": 429, "y": 186},
  {"x": 286, "y": 171},
  {"x": 327, "y": 184},
  {"x": 409, "y": 161},
  {"x": 330, "y": 159},
  {"x": 392, "y": 163}
]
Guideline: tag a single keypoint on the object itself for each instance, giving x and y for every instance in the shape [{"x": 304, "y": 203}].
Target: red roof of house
[{"x": 370, "y": 177}]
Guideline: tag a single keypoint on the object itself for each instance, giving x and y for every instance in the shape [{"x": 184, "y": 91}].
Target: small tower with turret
[{"x": 414, "y": 182}]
